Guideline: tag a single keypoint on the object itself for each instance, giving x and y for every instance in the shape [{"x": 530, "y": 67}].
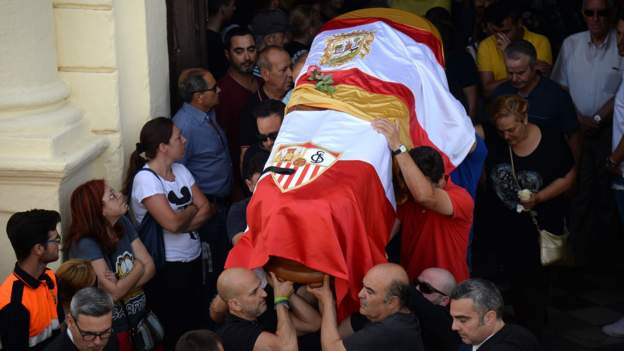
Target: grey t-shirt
[{"x": 122, "y": 258}]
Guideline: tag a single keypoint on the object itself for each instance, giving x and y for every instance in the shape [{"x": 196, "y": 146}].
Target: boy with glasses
[
  {"x": 28, "y": 296},
  {"x": 89, "y": 324}
]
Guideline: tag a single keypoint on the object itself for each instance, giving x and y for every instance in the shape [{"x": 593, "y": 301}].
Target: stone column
[{"x": 46, "y": 149}]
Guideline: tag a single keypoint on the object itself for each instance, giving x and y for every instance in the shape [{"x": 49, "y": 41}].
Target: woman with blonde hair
[
  {"x": 72, "y": 276},
  {"x": 528, "y": 168}
]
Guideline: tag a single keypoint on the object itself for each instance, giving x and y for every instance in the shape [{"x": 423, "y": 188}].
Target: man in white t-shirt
[{"x": 615, "y": 161}]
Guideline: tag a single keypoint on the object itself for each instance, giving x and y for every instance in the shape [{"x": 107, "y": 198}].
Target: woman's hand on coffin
[{"x": 390, "y": 129}]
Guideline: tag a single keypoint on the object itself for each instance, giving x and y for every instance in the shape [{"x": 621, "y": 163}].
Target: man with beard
[
  {"x": 28, "y": 296},
  {"x": 245, "y": 297},
  {"x": 236, "y": 86}
]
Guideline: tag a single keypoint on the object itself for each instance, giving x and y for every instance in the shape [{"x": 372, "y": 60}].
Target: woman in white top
[{"x": 174, "y": 201}]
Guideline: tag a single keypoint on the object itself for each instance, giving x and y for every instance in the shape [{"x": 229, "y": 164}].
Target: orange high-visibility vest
[{"x": 37, "y": 296}]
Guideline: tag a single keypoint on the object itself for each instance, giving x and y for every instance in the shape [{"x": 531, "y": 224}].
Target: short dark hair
[
  {"x": 198, "y": 340},
  {"x": 29, "y": 228},
  {"x": 521, "y": 47},
  {"x": 255, "y": 164},
  {"x": 484, "y": 295},
  {"x": 194, "y": 83},
  {"x": 400, "y": 290},
  {"x": 498, "y": 11},
  {"x": 239, "y": 31},
  {"x": 429, "y": 161},
  {"x": 268, "y": 107}
]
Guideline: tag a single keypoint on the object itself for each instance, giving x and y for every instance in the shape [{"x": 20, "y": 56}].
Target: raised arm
[
  {"x": 285, "y": 337},
  {"x": 422, "y": 189},
  {"x": 330, "y": 338}
]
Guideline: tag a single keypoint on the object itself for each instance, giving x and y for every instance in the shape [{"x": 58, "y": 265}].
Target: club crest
[
  {"x": 342, "y": 48},
  {"x": 307, "y": 160}
]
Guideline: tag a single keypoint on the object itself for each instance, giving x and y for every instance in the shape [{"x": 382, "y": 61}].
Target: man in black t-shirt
[
  {"x": 247, "y": 327},
  {"x": 383, "y": 300}
]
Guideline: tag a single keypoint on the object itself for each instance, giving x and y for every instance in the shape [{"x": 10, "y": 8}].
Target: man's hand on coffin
[
  {"x": 390, "y": 130},
  {"x": 322, "y": 293},
  {"x": 281, "y": 287}
]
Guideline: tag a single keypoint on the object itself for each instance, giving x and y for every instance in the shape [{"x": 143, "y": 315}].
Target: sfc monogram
[{"x": 307, "y": 160}]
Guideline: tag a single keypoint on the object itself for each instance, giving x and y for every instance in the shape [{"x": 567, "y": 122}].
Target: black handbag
[{"x": 151, "y": 233}]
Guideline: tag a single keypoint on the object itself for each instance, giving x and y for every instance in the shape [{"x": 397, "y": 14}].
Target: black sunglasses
[
  {"x": 599, "y": 13},
  {"x": 426, "y": 288},
  {"x": 264, "y": 137}
]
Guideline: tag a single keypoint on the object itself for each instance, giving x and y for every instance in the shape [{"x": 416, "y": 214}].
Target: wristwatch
[{"x": 401, "y": 149}]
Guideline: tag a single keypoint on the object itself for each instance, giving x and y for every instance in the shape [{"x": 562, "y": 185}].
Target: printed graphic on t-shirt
[
  {"x": 505, "y": 185},
  {"x": 134, "y": 301}
]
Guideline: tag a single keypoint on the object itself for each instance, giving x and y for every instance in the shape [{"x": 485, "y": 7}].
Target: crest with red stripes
[{"x": 307, "y": 160}]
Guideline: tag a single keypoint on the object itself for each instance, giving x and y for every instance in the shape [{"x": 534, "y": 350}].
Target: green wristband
[{"x": 279, "y": 299}]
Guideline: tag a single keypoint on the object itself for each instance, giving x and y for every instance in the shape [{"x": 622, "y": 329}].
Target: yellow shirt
[{"x": 490, "y": 58}]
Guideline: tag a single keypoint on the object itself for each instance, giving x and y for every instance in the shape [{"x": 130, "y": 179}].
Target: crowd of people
[{"x": 144, "y": 267}]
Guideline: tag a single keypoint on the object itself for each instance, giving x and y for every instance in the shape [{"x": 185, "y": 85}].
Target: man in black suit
[
  {"x": 477, "y": 311},
  {"x": 89, "y": 324}
]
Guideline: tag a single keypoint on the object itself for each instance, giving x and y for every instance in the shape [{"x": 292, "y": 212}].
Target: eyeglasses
[
  {"x": 113, "y": 195},
  {"x": 57, "y": 240},
  {"x": 264, "y": 137},
  {"x": 90, "y": 336},
  {"x": 598, "y": 13},
  {"x": 213, "y": 88},
  {"x": 426, "y": 288}
]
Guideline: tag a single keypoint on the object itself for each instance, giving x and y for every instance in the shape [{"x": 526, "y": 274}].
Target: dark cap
[{"x": 269, "y": 22}]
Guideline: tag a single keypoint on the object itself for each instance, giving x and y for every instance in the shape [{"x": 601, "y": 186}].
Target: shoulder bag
[
  {"x": 151, "y": 233},
  {"x": 552, "y": 246}
]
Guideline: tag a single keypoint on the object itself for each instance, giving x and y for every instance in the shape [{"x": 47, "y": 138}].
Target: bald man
[
  {"x": 242, "y": 295},
  {"x": 429, "y": 300},
  {"x": 383, "y": 301}
]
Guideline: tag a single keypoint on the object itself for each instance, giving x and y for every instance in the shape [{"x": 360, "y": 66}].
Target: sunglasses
[
  {"x": 264, "y": 137},
  {"x": 426, "y": 288},
  {"x": 598, "y": 13}
]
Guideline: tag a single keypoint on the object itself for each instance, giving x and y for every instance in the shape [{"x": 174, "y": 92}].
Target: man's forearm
[
  {"x": 308, "y": 318},
  {"x": 285, "y": 329},
  {"x": 330, "y": 339}
]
